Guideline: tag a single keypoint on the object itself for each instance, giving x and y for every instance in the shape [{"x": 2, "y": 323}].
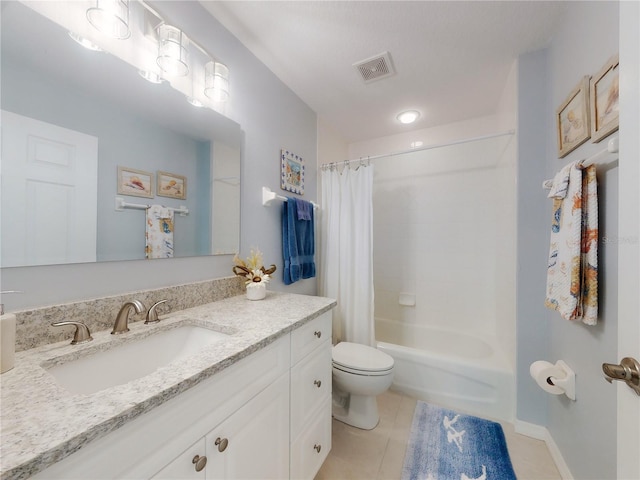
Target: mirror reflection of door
[{"x": 49, "y": 185}]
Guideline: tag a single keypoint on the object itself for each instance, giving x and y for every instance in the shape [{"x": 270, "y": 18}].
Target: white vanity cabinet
[
  {"x": 189, "y": 465},
  {"x": 251, "y": 443},
  {"x": 266, "y": 416},
  {"x": 310, "y": 397}
]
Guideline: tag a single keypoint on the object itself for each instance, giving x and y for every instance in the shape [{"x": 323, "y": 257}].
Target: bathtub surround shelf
[{"x": 32, "y": 438}]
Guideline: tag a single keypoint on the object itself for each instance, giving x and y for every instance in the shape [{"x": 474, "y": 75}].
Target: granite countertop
[{"x": 42, "y": 423}]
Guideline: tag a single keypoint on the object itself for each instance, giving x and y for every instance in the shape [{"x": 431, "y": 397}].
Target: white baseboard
[{"x": 541, "y": 433}]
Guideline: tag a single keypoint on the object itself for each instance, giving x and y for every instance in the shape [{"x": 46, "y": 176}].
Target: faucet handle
[
  {"x": 81, "y": 335},
  {"x": 152, "y": 314},
  {"x": 5, "y": 292}
]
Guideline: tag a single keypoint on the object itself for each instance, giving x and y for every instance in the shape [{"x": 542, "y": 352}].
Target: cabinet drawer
[
  {"x": 310, "y": 386},
  {"x": 309, "y": 336},
  {"x": 311, "y": 448}
]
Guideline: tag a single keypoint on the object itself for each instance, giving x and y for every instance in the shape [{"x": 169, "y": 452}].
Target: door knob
[{"x": 628, "y": 371}]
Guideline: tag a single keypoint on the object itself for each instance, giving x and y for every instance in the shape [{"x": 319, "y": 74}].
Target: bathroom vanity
[{"x": 255, "y": 403}]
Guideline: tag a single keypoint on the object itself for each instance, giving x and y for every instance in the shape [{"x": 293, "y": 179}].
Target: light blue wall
[
  {"x": 584, "y": 430},
  {"x": 271, "y": 116},
  {"x": 532, "y": 329}
]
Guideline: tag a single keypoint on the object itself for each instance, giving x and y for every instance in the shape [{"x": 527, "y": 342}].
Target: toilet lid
[{"x": 361, "y": 357}]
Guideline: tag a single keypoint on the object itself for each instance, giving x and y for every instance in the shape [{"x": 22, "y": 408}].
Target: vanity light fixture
[
  {"x": 195, "y": 102},
  {"x": 216, "y": 81},
  {"x": 149, "y": 76},
  {"x": 111, "y": 17},
  {"x": 409, "y": 116},
  {"x": 89, "y": 45},
  {"x": 173, "y": 51}
]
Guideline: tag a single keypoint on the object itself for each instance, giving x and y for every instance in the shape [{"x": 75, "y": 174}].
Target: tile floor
[{"x": 379, "y": 453}]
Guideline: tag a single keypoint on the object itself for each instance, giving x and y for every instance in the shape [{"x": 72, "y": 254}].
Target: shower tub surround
[{"x": 42, "y": 423}]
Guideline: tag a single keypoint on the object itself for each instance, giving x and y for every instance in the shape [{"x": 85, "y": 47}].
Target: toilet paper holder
[
  {"x": 566, "y": 383},
  {"x": 556, "y": 379}
]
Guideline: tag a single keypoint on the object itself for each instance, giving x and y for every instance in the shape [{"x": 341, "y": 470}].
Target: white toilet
[{"x": 360, "y": 373}]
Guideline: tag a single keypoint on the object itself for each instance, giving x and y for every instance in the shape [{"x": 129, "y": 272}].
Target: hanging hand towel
[
  {"x": 589, "y": 246},
  {"x": 572, "y": 268},
  {"x": 298, "y": 243},
  {"x": 159, "y": 232},
  {"x": 305, "y": 209}
]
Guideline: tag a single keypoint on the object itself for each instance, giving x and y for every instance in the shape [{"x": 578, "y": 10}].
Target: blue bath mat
[{"x": 446, "y": 445}]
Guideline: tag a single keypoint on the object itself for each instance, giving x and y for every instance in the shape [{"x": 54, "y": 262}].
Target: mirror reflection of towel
[
  {"x": 298, "y": 243},
  {"x": 159, "y": 232}
]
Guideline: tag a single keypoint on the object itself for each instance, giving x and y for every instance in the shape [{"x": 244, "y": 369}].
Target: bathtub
[{"x": 452, "y": 369}]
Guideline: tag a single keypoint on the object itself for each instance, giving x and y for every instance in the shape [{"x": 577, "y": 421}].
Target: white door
[
  {"x": 629, "y": 238},
  {"x": 49, "y": 193}
]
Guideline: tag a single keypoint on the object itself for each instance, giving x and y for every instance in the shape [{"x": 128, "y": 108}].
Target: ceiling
[{"x": 452, "y": 58}]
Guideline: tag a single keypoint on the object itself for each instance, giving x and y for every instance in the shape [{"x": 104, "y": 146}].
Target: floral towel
[
  {"x": 159, "y": 232},
  {"x": 572, "y": 275}
]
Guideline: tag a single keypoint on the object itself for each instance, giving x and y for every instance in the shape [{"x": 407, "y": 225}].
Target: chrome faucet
[{"x": 122, "y": 320}]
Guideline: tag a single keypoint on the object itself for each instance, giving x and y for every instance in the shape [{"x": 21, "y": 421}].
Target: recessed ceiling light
[
  {"x": 416, "y": 144},
  {"x": 409, "y": 116}
]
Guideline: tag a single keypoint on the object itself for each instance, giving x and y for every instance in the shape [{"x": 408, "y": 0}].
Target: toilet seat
[{"x": 361, "y": 359}]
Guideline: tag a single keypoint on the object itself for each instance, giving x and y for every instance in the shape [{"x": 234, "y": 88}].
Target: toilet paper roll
[{"x": 541, "y": 371}]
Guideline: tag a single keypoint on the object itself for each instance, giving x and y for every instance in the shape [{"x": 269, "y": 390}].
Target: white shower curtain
[{"x": 347, "y": 251}]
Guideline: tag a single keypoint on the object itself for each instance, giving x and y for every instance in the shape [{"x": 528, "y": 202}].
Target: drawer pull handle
[
  {"x": 317, "y": 333},
  {"x": 222, "y": 444},
  {"x": 317, "y": 383},
  {"x": 317, "y": 447},
  {"x": 199, "y": 462}
]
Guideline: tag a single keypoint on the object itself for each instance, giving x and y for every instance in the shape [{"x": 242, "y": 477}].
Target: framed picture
[
  {"x": 172, "y": 185},
  {"x": 604, "y": 100},
  {"x": 135, "y": 182},
  {"x": 572, "y": 118},
  {"x": 292, "y": 172}
]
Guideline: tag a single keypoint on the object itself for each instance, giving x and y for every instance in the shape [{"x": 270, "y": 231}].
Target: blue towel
[
  {"x": 305, "y": 209},
  {"x": 298, "y": 243}
]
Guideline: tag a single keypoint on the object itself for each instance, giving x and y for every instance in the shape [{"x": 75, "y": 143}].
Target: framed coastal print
[
  {"x": 604, "y": 100},
  {"x": 135, "y": 182},
  {"x": 292, "y": 172},
  {"x": 572, "y": 119},
  {"x": 172, "y": 185}
]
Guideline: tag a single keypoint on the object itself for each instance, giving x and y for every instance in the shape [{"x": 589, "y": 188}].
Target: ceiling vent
[{"x": 375, "y": 68}]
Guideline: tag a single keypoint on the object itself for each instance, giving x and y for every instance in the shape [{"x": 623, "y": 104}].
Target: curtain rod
[{"x": 428, "y": 147}]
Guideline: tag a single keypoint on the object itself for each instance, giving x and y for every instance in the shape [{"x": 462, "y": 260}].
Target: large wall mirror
[{"x": 83, "y": 132}]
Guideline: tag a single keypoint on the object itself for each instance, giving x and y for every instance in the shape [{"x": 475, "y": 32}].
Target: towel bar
[
  {"x": 121, "y": 205},
  {"x": 603, "y": 157},
  {"x": 269, "y": 196}
]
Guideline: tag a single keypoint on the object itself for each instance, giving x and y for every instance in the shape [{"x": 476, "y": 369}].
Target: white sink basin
[{"x": 132, "y": 360}]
